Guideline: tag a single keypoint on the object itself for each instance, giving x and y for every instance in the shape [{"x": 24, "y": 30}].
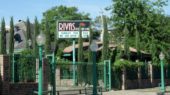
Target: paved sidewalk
[
  {"x": 146, "y": 91},
  {"x": 128, "y": 92}
]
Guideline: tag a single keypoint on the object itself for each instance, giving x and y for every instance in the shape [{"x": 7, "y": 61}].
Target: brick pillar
[
  {"x": 123, "y": 78},
  {"x": 139, "y": 77},
  {"x": 45, "y": 68},
  {"x": 5, "y": 74},
  {"x": 46, "y": 76},
  {"x": 151, "y": 74},
  {"x": 58, "y": 80}
]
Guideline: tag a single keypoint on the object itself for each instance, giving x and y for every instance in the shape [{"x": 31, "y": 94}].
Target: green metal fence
[
  {"x": 23, "y": 68},
  {"x": 84, "y": 74}
]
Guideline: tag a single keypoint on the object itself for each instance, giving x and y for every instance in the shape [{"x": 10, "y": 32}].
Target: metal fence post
[
  {"x": 105, "y": 84},
  {"x": 53, "y": 74},
  {"x": 110, "y": 75},
  {"x": 74, "y": 59},
  {"x": 13, "y": 68}
]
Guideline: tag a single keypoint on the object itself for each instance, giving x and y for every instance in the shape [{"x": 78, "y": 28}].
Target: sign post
[{"x": 70, "y": 29}]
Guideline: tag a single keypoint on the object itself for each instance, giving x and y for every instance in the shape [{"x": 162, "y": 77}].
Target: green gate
[
  {"x": 107, "y": 74},
  {"x": 83, "y": 77}
]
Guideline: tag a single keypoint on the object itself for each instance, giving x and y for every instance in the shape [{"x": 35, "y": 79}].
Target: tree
[
  {"x": 89, "y": 51},
  {"x": 81, "y": 67},
  {"x": 11, "y": 39},
  {"x": 153, "y": 50},
  {"x": 137, "y": 40},
  {"x": 27, "y": 67},
  {"x": 3, "y": 37},
  {"x": 126, "y": 44},
  {"x": 105, "y": 49},
  {"x": 61, "y": 13},
  {"x": 36, "y": 32},
  {"x": 28, "y": 32},
  {"x": 144, "y": 16},
  {"x": 48, "y": 40},
  {"x": 147, "y": 25},
  {"x": 80, "y": 46},
  {"x": 90, "y": 60}
]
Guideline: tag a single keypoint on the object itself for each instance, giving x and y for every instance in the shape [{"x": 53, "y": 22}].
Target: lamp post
[
  {"x": 40, "y": 41},
  {"x": 93, "y": 48},
  {"x": 161, "y": 56},
  {"x": 53, "y": 45}
]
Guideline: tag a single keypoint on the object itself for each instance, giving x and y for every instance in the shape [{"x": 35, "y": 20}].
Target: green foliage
[
  {"x": 11, "y": 39},
  {"x": 3, "y": 37},
  {"x": 48, "y": 40},
  {"x": 61, "y": 13},
  {"x": 145, "y": 19},
  {"x": 28, "y": 32},
  {"x": 116, "y": 78},
  {"x": 80, "y": 47},
  {"x": 137, "y": 41},
  {"x": 118, "y": 64},
  {"x": 35, "y": 34},
  {"x": 80, "y": 57},
  {"x": 27, "y": 66},
  {"x": 144, "y": 71},
  {"x": 131, "y": 73},
  {"x": 105, "y": 49},
  {"x": 126, "y": 44},
  {"x": 155, "y": 59},
  {"x": 90, "y": 60}
]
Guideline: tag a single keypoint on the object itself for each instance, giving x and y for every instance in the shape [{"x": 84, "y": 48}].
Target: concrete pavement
[
  {"x": 128, "y": 92},
  {"x": 145, "y": 91}
]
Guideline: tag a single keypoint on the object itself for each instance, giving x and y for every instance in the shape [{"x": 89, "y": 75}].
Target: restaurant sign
[{"x": 71, "y": 29}]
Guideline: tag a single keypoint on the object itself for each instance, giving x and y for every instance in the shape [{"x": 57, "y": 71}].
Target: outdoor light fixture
[
  {"x": 40, "y": 41},
  {"x": 93, "y": 48},
  {"x": 161, "y": 56}
]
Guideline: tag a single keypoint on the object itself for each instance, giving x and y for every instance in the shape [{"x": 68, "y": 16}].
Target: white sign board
[{"x": 71, "y": 29}]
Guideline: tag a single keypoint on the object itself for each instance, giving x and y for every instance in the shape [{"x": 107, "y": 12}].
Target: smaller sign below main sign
[{"x": 70, "y": 29}]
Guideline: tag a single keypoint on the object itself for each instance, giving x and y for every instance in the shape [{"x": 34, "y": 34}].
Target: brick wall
[
  {"x": 7, "y": 88},
  {"x": 28, "y": 88},
  {"x": 5, "y": 74},
  {"x": 46, "y": 74},
  {"x": 58, "y": 83},
  {"x": 23, "y": 88},
  {"x": 5, "y": 68},
  {"x": 145, "y": 83}
]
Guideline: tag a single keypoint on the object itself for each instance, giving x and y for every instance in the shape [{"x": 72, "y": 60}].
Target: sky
[{"x": 21, "y": 9}]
